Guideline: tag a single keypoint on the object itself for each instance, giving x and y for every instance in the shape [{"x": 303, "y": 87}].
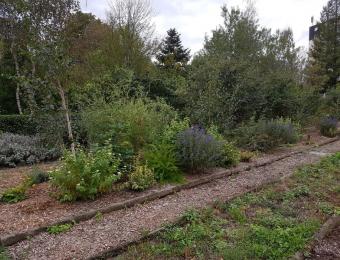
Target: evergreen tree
[
  {"x": 172, "y": 53},
  {"x": 324, "y": 69}
]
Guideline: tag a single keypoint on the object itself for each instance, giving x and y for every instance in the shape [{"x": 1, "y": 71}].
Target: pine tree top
[{"x": 172, "y": 52}]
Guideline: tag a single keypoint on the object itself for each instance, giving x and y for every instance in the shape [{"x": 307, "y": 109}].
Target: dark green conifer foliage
[{"x": 172, "y": 53}]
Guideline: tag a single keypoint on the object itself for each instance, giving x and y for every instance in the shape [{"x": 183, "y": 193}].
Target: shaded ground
[
  {"x": 328, "y": 248},
  {"x": 97, "y": 235}
]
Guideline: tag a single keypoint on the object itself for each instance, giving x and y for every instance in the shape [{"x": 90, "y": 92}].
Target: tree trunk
[
  {"x": 30, "y": 90},
  {"x": 17, "y": 97},
  {"x": 17, "y": 92},
  {"x": 67, "y": 117}
]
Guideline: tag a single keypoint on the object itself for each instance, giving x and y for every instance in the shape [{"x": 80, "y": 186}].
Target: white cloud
[{"x": 196, "y": 18}]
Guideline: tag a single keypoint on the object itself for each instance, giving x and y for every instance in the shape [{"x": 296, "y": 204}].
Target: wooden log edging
[
  {"x": 21, "y": 236},
  {"x": 325, "y": 230}
]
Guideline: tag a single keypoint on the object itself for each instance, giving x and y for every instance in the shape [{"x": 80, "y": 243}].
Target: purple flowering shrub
[
  {"x": 197, "y": 150},
  {"x": 328, "y": 126}
]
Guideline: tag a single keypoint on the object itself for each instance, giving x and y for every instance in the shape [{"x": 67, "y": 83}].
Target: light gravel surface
[{"x": 94, "y": 236}]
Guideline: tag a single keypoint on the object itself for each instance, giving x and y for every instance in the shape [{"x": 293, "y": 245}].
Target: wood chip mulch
[{"x": 92, "y": 237}]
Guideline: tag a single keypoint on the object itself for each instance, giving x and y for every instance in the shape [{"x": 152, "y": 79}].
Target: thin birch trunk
[
  {"x": 17, "y": 91},
  {"x": 67, "y": 117}
]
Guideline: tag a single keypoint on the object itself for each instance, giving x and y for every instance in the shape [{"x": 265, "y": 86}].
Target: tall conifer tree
[{"x": 172, "y": 53}]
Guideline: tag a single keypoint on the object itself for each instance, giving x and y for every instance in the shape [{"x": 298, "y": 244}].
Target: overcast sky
[{"x": 196, "y": 18}]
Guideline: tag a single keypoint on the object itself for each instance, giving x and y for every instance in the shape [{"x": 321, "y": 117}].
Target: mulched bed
[
  {"x": 15, "y": 176},
  {"x": 95, "y": 236},
  {"x": 41, "y": 208}
]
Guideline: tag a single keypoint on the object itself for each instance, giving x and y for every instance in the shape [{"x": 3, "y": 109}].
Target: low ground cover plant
[
  {"x": 17, "y": 194},
  {"x": 3, "y": 254},
  {"x": 85, "y": 175},
  {"x": 19, "y": 149},
  {"x": 14, "y": 195},
  {"x": 58, "y": 229},
  {"x": 273, "y": 223},
  {"x": 329, "y": 126},
  {"x": 264, "y": 135}
]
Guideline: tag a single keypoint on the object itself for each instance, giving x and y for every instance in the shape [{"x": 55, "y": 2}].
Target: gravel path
[{"x": 91, "y": 237}]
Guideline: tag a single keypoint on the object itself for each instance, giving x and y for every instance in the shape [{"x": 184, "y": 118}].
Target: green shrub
[
  {"x": 14, "y": 195},
  {"x": 18, "y": 124},
  {"x": 231, "y": 155},
  {"x": 172, "y": 130},
  {"x": 58, "y": 229},
  {"x": 329, "y": 126},
  {"x": 141, "y": 178},
  {"x": 266, "y": 135},
  {"x": 38, "y": 176},
  {"x": 86, "y": 175},
  {"x": 138, "y": 122},
  {"x": 162, "y": 159}
]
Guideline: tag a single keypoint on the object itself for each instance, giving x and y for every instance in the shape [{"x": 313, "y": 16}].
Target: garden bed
[
  {"x": 97, "y": 236},
  {"x": 41, "y": 209}
]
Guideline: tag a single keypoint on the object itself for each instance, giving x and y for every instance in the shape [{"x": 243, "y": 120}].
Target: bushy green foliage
[
  {"x": 141, "y": 178},
  {"x": 58, "y": 229},
  {"x": 328, "y": 126},
  {"x": 231, "y": 155},
  {"x": 18, "y": 124},
  {"x": 14, "y": 195},
  {"x": 86, "y": 175},
  {"x": 162, "y": 158},
  {"x": 38, "y": 176},
  {"x": 244, "y": 70},
  {"x": 172, "y": 130},
  {"x": 19, "y": 149},
  {"x": 332, "y": 102},
  {"x": 266, "y": 135},
  {"x": 137, "y": 122}
]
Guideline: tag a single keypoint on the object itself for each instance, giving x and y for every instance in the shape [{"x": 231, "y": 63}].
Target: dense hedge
[
  {"x": 18, "y": 124},
  {"x": 20, "y": 149}
]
